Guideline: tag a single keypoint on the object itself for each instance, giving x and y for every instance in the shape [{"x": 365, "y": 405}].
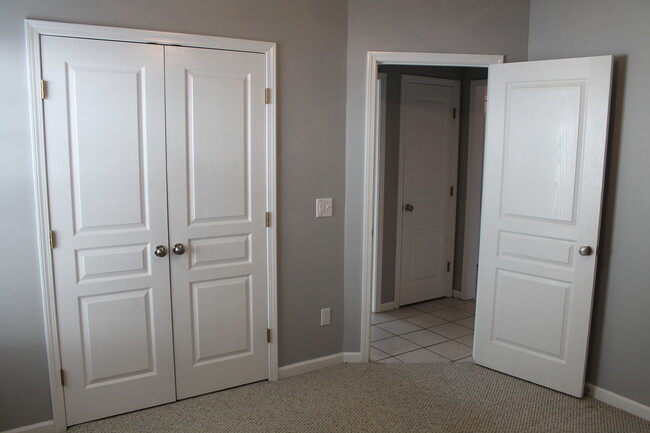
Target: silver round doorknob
[
  {"x": 178, "y": 249},
  {"x": 160, "y": 251},
  {"x": 409, "y": 208},
  {"x": 585, "y": 250}
]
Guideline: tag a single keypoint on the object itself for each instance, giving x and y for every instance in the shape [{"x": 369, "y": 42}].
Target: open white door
[{"x": 544, "y": 162}]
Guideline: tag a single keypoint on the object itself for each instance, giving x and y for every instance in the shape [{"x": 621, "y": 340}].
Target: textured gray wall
[
  {"x": 461, "y": 26},
  {"x": 393, "y": 111},
  {"x": 311, "y": 37},
  {"x": 619, "y": 357}
]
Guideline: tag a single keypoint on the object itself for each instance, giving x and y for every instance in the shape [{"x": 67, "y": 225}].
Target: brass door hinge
[
  {"x": 52, "y": 240},
  {"x": 43, "y": 89},
  {"x": 268, "y": 335},
  {"x": 267, "y": 219},
  {"x": 448, "y": 266},
  {"x": 267, "y": 96},
  {"x": 453, "y": 114},
  {"x": 62, "y": 377}
]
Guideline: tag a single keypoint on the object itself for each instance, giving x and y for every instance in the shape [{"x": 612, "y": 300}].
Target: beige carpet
[{"x": 376, "y": 397}]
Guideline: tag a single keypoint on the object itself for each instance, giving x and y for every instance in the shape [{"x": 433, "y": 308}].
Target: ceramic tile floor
[{"x": 441, "y": 330}]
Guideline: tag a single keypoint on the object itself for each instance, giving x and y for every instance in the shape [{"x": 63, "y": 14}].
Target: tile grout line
[{"x": 419, "y": 346}]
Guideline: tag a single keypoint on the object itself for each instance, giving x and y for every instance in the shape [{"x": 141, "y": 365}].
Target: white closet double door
[{"x": 156, "y": 169}]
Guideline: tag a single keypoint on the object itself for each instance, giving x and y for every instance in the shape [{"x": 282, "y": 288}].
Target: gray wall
[
  {"x": 393, "y": 112},
  {"x": 461, "y": 26},
  {"x": 619, "y": 357},
  {"x": 311, "y": 37}
]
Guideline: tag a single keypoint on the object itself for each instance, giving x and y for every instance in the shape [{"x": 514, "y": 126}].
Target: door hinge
[
  {"x": 268, "y": 335},
  {"x": 451, "y": 191},
  {"x": 453, "y": 114},
  {"x": 62, "y": 377},
  {"x": 52, "y": 240},
  {"x": 448, "y": 266},
  {"x": 267, "y": 96},
  {"x": 43, "y": 89},
  {"x": 267, "y": 219}
]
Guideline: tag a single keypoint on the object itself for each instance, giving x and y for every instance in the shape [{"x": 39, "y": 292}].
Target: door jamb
[
  {"x": 374, "y": 59},
  {"x": 469, "y": 274},
  {"x": 380, "y": 163},
  {"x": 34, "y": 29}
]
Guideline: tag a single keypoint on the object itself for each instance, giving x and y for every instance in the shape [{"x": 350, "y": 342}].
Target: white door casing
[
  {"x": 373, "y": 60},
  {"x": 544, "y": 162},
  {"x": 476, "y": 145},
  {"x": 104, "y": 129},
  {"x": 380, "y": 164},
  {"x": 217, "y": 176},
  {"x": 428, "y": 167},
  {"x": 140, "y": 120}
]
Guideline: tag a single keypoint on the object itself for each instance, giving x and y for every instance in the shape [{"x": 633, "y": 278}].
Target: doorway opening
[
  {"x": 543, "y": 180},
  {"x": 406, "y": 107}
]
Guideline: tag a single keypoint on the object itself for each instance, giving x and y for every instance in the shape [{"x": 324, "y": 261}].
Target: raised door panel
[
  {"x": 428, "y": 134},
  {"x": 104, "y": 133},
  {"x": 545, "y": 153},
  {"x": 217, "y": 199},
  {"x": 541, "y": 148},
  {"x": 217, "y": 145}
]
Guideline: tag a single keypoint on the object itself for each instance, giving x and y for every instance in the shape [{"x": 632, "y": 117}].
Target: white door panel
[
  {"x": 217, "y": 177},
  {"x": 429, "y": 142},
  {"x": 544, "y": 163},
  {"x": 104, "y": 130}
]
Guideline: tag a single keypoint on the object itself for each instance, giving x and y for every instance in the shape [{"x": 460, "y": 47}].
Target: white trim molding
[
  {"x": 318, "y": 363},
  {"x": 352, "y": 357},
  {"x": 374, "y": 59},
  {"x": 310, "y": 365},
  {"x": 620, "y": 402},
  {"x": 41, "y": 427},
  {"x": 33, "y": 31}
]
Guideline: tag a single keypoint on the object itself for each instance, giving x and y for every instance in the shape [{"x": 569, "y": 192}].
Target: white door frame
[
  {"x": 34, "y": 30},
  {"x": 453, "y": 174},
  {"x": 476, "y": 142},
  {"x": 374, "y": 59},
  {"x": 380, "y": 163}
]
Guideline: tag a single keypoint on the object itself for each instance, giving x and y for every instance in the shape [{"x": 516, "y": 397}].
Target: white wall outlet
[
  {"x": 325, "y": 316},
  {"x": 323, "y": 207}
]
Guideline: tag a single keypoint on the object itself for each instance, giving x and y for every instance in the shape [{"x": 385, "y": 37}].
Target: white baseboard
[
  {"x": 623, "y": 403},
  {"x": 352, "y": 357},
  {"x": 309, "y": 365},
  {"x": 41, "y": 427},
  {"x": 387, "y": 306}
]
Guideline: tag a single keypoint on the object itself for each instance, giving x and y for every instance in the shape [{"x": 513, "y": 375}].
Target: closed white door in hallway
[{"x": 428, "y": 147}]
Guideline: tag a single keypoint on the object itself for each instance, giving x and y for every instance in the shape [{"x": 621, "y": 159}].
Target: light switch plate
[
  {"x": 325, "y": 316},
  {"x": 323, "y": 207}
]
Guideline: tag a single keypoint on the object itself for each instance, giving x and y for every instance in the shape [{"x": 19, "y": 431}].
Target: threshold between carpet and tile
[{"x": 382, "y": 397}]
